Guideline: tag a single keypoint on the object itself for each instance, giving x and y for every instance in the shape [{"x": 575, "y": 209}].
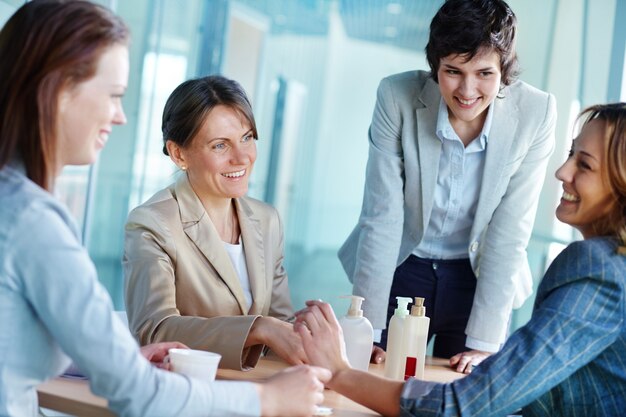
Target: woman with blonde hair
[{"x": 568, "y": 359}]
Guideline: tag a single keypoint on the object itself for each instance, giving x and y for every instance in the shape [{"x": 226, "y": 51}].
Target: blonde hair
[{"x": 614, "y": 172}]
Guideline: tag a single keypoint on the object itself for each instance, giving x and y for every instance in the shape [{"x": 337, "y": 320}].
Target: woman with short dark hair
[{"x": 456, "y": 162}]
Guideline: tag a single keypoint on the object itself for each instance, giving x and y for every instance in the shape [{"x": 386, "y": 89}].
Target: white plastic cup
[{"x": 197, "y": 364}]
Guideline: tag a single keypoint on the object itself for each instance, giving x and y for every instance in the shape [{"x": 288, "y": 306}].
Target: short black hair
[{"x": 469, "y": 27}]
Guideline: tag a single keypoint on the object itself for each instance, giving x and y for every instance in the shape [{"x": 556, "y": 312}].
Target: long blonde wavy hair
[{"x": 613, "y": 116}]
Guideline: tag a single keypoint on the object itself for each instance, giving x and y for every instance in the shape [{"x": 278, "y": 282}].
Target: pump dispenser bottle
[
  {"x": 415, "y": 338},
  {"x": 394, "y": 364},
  {"x": 358, "y": 335}
]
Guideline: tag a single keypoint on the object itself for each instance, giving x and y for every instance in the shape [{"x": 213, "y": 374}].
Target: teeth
[
  {"x": 235, "y": 174},
  {"x": 467, "y": 102},
  {"x": 570, "y": 197}
]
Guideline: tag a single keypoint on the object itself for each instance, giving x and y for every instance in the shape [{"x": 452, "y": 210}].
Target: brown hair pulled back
[{"x": 47, "y": 45}]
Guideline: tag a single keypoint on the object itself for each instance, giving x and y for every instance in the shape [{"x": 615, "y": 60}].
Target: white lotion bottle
[
  {"x": 395, "y": 361},
  {"x": 358, "y": 335},
  {"x": 415, "y": 340}
]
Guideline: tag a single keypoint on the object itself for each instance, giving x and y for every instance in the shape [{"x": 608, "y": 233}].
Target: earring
[{"x": 183, "y": 167}]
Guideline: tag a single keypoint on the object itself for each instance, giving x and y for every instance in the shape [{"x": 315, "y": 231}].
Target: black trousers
[{"x": 448, "y": 287}]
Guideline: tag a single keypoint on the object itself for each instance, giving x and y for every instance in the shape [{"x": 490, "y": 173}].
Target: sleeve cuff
[
  {"x": 235, "y": 398},
  {"x": 476, "y": 344},
  {"x": 416, "y": 388},
  {"x": 378, "y": 334}
]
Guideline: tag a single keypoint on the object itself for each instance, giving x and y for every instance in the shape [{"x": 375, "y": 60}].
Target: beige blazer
[{"x": 180, "y": 282}]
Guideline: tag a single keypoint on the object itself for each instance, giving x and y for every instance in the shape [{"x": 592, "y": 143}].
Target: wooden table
[{"x": 73, "y": 396}]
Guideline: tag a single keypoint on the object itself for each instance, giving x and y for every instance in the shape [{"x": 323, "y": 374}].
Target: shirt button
[{"x": 474, "y": 246}]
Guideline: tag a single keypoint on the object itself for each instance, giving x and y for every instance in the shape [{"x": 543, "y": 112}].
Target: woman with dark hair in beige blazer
[{"x": 203, "y": 263}]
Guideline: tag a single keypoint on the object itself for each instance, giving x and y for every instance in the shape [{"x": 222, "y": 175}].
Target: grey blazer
[
  {"x": 401, "y": 175},
  {"x": 181, "y": 284}
]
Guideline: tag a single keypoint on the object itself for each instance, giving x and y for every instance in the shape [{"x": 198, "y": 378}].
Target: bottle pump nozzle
[
  {"x": 355, "y": 305},
  {"x": 418, "y": 308},
  {"x": 403, "y": 306}
]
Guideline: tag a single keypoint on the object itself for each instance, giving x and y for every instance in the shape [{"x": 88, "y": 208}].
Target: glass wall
[
  {"x": 6, "y": 9},
  {"x": 311, "y": 68}
]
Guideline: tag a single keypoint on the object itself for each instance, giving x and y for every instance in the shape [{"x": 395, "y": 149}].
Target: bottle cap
[
  {"x": 355, "y": 305},
  {"x": 418, "y": 308},
  {"x": 403, "y": 306}
]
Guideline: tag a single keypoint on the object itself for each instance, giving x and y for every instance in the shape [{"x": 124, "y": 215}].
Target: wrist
[
  {"x": 267, "y": 406},
  {"x": 259, "y": 332},
  {"x": 340, "y": 373}
]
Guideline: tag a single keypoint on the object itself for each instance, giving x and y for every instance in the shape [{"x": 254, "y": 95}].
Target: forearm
[
  {"x": 380, "y": 394},
  {"x": 375, "y": 246},
  {"x": 378, "y": 243},
  {"x": 504, "y": 279},
  {"x": 225, "y": 335}
]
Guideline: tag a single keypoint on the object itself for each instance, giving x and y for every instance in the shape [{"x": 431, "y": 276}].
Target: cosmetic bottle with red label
[
  {"x": 415, "y": 339},
  {"x": 395, "y": 360}
]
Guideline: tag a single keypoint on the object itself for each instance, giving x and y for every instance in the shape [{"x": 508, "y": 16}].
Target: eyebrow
[
  {"x": 589, "y": 155},
  {"x": 490, "y": 68},
  {"x": 224, "y": 138}
]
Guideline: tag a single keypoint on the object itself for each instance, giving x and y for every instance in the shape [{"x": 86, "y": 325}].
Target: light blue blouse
[
  {"x": 456, "y": 198},
  {"x": 456, "y": 192},
  {"x": 52, "y": 308}
]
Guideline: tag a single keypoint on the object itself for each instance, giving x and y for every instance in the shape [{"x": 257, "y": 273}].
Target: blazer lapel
[
  {"x": 252, "y": 239},
  {"x": 501, "y": 137},
  {"x": 429, "y": 145},
  {"x": 200, "y": 229}
]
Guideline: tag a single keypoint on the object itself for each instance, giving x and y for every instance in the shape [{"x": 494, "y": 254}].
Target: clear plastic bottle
[
  {"x": 394, "y": 363},
  {"x": 358, "y": 335},
  {"x": 415, "y": 340}
]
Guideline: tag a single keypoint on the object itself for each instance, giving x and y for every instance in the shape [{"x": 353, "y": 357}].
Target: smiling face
[
  {"x": 220, "y": 157},
  {"x": 469, "y": 87},
  {"x": 587, "y": 197},
  {"x": 89, "y": 109}
]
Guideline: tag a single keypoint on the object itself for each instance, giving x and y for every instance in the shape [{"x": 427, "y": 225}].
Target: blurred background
[{"x": 311, "y": 69}]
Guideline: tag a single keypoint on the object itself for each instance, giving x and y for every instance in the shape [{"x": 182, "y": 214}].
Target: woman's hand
[
  {"x": 156, "y": 353},
  {"x": 322, "y": 336},
  {"x": 293, "y": 392},
  {"x": 280, "y": 337},
  {"x": 465, "y": 361}
]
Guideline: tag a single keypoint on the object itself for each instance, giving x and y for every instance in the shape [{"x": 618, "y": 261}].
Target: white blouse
[{"x": 238, "y": 258}]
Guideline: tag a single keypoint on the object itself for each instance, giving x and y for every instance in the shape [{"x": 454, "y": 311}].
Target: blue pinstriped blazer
[{"x": 569, "y": 360}]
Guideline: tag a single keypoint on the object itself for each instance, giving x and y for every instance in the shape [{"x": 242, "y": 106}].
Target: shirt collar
[{"x": 446, "y": 131}]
